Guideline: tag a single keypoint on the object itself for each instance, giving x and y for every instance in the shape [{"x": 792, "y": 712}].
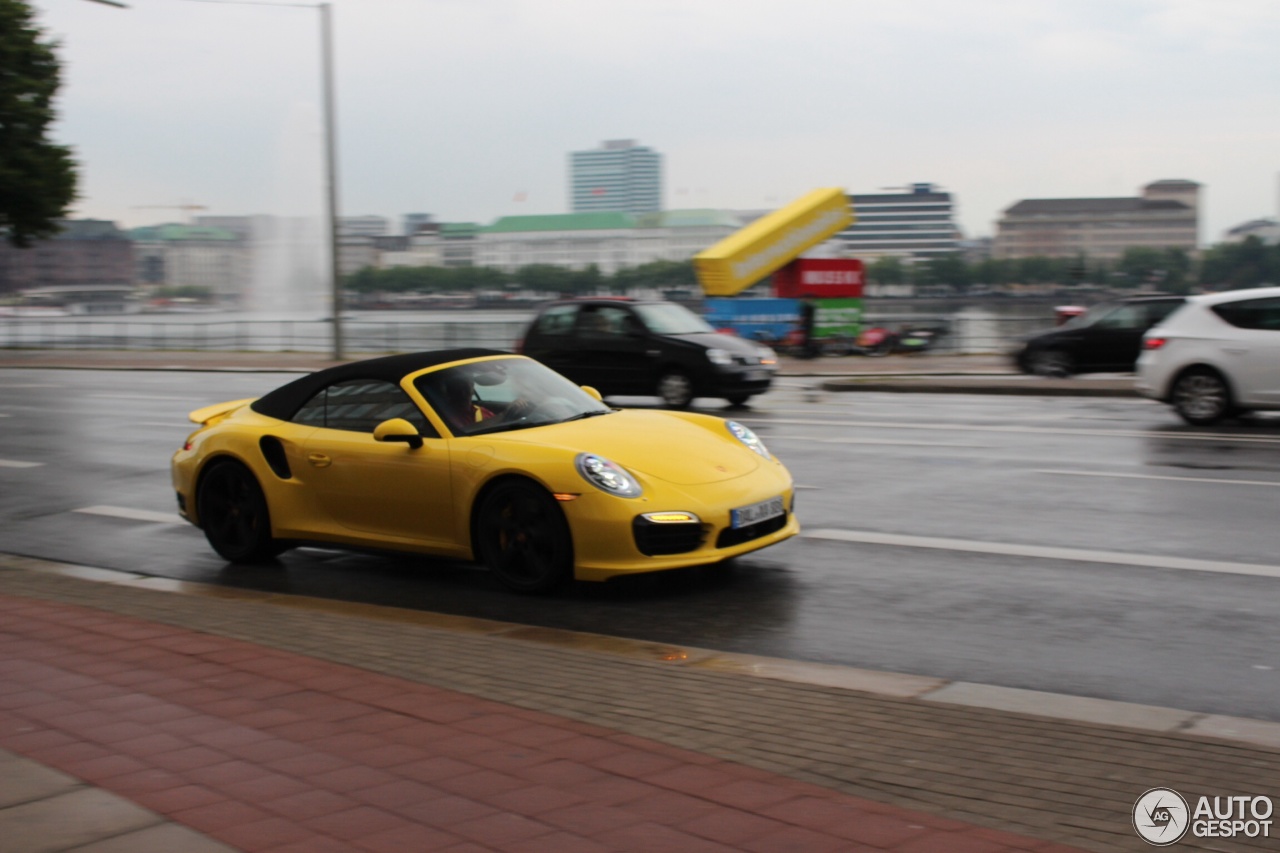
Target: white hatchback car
[{"x": 1216, "y": 356}]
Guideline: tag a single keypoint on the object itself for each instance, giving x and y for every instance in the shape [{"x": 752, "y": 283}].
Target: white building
[{"x": 610, "y": 241}]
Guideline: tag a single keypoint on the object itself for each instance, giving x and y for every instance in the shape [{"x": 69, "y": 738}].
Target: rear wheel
[
  {"x": 676, "y": 389},
  {"x": 522, "y": 536},
  {"x": 1201, "y": 397},
  {"x": 234, "y": 514},
  {"x": 1051, "y": 362}
]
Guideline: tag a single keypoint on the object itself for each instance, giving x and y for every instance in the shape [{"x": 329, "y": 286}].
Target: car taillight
[
  {"x": 1154, "y": 343},
  {"x": 520, "y": 345}
]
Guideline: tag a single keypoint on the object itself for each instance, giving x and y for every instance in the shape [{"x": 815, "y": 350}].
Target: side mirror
[
  {"x": 398, "y": 429},
  {"x": 593, "y": 392}
]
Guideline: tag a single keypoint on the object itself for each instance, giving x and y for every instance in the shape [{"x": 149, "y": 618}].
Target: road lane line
[
  {"x": 778, "y": 436},
  {"x": 1043, "y": 552},
  {"x": 122, "y": 396},
  {"x": 963, "y": 427},
  {"x": 132, "y": 514},
  {"x": 13, "y": 463},
  {"x": 1156, "y": 477}
]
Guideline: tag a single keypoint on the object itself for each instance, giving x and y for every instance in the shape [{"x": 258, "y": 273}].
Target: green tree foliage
[
  {"x": 37, "y": 178},
  {"x": 1249, "y": 263},
  {"x": 887, "y": 270}
]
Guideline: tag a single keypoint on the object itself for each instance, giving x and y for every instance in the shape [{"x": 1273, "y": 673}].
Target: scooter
[{"x": 879, "y": 341}]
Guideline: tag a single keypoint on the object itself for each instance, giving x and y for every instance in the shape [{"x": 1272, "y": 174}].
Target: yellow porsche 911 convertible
[{"x": 478, "y": 455}]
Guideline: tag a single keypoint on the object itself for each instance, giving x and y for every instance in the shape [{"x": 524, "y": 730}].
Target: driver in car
[{"x": 463, "y": 409}]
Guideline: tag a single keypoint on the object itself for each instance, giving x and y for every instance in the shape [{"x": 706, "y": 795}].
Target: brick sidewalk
[{"x": 272, "y": 723}]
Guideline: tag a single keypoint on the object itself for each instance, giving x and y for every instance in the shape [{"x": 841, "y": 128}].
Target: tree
[
  {"x": 887, "y": 270},
  {"x": 37, "y": 178}
]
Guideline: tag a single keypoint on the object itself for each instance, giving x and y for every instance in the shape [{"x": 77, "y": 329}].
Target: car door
[
  {"x": 1251, "y": 352},
  {"x": 1114, "y": 340},
  {"x": 615, "y": 350},
  {"x": 378, "y": 490}
]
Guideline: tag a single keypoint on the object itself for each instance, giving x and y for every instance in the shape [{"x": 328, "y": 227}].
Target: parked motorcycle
[{"x": 880, "y": 341}]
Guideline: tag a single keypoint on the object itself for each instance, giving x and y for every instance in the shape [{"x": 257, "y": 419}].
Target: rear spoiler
[{"x": 218, "y": 410}]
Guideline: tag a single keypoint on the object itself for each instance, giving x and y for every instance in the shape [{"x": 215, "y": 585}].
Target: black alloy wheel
[
  {"x": 234, "y": 514},
  {"x": 1201, "y": 397},
  {"x": 676, "y": 389},
  {"x": 522, "y": 536},
  {"x": 1053, "y": 363}
]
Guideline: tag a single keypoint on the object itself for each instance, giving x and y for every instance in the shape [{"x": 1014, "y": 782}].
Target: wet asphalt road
[{"x": 1091, "y": 546}]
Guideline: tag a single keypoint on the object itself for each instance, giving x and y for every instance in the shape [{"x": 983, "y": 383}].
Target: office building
[
  {"x": 915, "y": 225},
  {"x": 619, "y": 176},
  {"x": 1165, "y": 216},
  {"x": 84, "y": 251}
]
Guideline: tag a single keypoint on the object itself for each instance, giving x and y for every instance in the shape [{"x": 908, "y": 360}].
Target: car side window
[
  {"x": 556, "y": 321},
  {"x": 608, "y": 321},
  {"x": 1123, "y": 317},
  {"x": 1158, "y": 311},
  {"x": 1251, "y": 313},
  {"x": 359, "y": 405}
]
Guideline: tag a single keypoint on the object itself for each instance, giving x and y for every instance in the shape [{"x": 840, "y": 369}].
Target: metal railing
[
  {"x": 363, "y": 335},
  {"x": 969, "y": 331}
]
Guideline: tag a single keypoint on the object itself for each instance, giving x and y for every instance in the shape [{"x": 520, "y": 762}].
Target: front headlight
[
  {"x": 747, "y": 437},
  {"x": 768, "y": 356},
  {"x": 607, "y": 476},
  {"x": 715, "y": 355}
]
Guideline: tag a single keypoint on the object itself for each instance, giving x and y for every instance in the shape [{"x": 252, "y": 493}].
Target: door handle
[{"x": 319, "y": 460}]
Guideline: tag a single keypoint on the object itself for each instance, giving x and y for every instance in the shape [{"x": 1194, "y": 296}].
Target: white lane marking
[
  {"x": 132, "y": 514},
  {"x": 963, "y": 427},
  {"x": 813, "y": 438},
  {"x": 1044, "y": 552},
  {"x": 1156, "y": 477},
  {"x": 175, "y": 424},
  {"x": 120, "y": 396},
  {"x": 13, "y": 463},
  {"x": 29, "y": 385}
]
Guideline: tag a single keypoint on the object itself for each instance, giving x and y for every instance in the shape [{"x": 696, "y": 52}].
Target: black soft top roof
[{"x": 283, "y": 402}]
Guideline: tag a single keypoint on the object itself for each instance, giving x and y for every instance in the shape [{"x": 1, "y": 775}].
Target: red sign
[{"x": 819, "y": 277}]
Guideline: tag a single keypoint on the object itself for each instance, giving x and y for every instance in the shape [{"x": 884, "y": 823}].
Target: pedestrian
[{"x": 808, "y": 322}]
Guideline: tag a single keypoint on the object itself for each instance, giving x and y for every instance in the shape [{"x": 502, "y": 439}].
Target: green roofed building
[
  {"x": 172, "y": 255},
  {"x": 609, "y": 240}
]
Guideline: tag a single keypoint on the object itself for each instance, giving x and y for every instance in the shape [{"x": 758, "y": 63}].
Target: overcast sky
[{"x": 467, "y": 109}]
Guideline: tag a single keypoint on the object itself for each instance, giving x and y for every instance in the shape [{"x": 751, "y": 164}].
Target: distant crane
[{"x": 186, "y": 207}]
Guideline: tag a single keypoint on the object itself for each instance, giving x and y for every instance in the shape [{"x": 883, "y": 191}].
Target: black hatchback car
[
  {"x": 1106, "y": 338},
  {"x": 624, "y": 347}
]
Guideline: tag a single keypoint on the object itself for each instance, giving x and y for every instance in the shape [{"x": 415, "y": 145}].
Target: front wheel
[
  {"x": 738, "y": 399},
  {"x": 234, "y": 514},
  {"x": 522, "y": 536},
  {"x": 676, "y": 389},
  {"x": 1201, "y": 397}
]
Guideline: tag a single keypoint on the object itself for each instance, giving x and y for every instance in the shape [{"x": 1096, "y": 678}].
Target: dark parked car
[
  {"x": 625, "y": 347},
  {"x": 1107, "y": 337}
]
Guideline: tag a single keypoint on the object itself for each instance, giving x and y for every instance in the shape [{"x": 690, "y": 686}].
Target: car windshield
[
  {"x": 668, "y": 318},
  {"x": 504, "y": 394}
]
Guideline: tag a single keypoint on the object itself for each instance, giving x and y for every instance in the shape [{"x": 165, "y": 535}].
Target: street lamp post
[{"x": 331, "y": 176}]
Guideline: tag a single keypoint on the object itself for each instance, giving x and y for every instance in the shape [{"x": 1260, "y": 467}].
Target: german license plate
[{"x": 744, "y": 516}]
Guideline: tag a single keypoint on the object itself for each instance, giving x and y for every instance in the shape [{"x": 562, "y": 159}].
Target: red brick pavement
[{"x": 266, "y": 750}]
